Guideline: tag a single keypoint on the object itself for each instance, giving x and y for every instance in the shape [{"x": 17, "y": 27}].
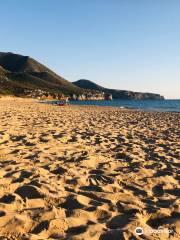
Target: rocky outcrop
[{"x": 117, "y": 94}]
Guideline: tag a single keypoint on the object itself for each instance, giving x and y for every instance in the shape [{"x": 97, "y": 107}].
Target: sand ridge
[{"x": 85, "y": 172}]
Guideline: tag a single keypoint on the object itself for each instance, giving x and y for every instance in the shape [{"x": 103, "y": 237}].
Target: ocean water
[{"x": 146, "y": 105}]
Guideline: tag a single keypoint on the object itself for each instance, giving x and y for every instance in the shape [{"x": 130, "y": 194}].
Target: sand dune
[{"x": 87, "y": 172}]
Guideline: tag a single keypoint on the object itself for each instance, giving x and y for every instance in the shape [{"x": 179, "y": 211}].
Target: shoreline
[
  {"x": 95, "y": 105},
  {"x": 118, "y": 107}
]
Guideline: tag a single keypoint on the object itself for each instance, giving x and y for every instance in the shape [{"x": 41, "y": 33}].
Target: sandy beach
[{"x": 86, "y": 172}]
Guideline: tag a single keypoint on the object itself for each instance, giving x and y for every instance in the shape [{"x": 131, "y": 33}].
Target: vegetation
[
  {"x": 117, "y": 94},
  {"x": 18, "y": 73}
]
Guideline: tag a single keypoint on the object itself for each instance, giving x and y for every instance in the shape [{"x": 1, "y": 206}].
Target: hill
[
  {"x": 87, "y": 84},
  {"x": 20, "y": 73},
  {"x": 23, "y": 75},
  {"x": 3, "y": 71},
  {"x": 116, "y": 94}
]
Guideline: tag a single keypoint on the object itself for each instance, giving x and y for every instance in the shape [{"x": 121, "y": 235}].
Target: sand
[{"x": 84, "y": 172}]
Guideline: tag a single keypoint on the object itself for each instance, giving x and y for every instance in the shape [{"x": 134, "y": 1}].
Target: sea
[{"x": 145, "y": 105}]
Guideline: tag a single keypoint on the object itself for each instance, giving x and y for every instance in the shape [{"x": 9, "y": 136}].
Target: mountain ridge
[
  {"x": 117, "y": 94},
  {"x": 22, "y": 75}
]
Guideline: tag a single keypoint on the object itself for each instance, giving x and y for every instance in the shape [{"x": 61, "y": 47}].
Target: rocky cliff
[
  {"x": 23, "y": 75},
  {"x": 117, "y": 94}
]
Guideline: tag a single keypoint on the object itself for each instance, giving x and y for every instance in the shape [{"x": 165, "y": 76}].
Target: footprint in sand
[{"x": 29, "y": 191}]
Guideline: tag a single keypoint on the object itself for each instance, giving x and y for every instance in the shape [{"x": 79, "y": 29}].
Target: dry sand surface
[{"x": 87, "y": 172}]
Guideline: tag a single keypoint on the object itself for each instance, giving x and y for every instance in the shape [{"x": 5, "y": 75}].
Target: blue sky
[{"x": 124, "y": 44}]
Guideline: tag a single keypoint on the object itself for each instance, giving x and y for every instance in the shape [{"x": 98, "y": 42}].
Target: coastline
[
  {"x": 132, "y": 105},
  {"x": 86, "y": 172}
]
